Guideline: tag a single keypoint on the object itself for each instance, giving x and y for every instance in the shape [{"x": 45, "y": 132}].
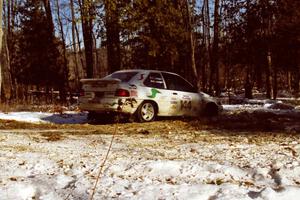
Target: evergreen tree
[
  {"x": 39, "y": 60},
  {"x": 157, "y": 35}
]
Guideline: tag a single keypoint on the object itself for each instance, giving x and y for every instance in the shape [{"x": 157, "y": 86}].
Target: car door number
[{"x": 186, "y": 105}]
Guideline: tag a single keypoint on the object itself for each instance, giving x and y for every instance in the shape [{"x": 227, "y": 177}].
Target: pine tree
[{"x": 39, "y": 61}]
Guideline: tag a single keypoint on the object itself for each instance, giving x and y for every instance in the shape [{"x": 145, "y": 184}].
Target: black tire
[
  {"x": 92, "y": 116},
  {"x": 146, "y": 112},
  {"x": 101, "y": 118},
  {"x": 211, "y": 109}
]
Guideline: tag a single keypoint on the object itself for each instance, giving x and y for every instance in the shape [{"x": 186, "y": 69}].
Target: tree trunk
[
  {"x": 97, "y": 58},
  {"x": 113, "y": 35},
  {"x": 192, "y": 43},
  {"x": 249, "y": 64},
  {"x": 269, "y": 76},
  {"x": 1, "y": 37},
  {"x": 248, "y": 85},
  {"x": 75, "y": 49},
  {"x": 289, "y": 80},
  {"x": 268, "y": 35},
  {"x": 82, "y": 70},
  {"x": 65, "y": 73},
  {"x": 86, "y": 9},
  {"x": 10, "y": 41},
  {"x": 214, "y": 74},
  {"x": 5, "y": 76},
  {"x": 49, "y": 15},
  {"x": 275, "y": 83},
  {"x": 206, "y": 32},
  {"x": 296, "y": 85}
]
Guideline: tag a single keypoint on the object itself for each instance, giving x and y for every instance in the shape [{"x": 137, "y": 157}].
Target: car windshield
[{"x": 123, "y": 76}]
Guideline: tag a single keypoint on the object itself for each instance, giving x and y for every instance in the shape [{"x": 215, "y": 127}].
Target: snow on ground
[
  {"x": 69, "y": 117},
  {"x": 73, "y": 117},
  {"x": 154, "y": 166},
  {"x": 170, "y": 162}
]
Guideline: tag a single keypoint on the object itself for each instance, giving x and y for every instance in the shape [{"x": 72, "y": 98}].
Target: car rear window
[{"x": 123, "y": 76}]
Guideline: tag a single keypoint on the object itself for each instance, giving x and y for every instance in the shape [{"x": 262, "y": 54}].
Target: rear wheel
[
  {"x": 146, "y": 112},
  {"x": 92, "y": 116},
  {"x": 102, "y": 118}
]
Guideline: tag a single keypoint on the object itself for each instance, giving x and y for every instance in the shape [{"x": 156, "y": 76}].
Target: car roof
[{"x": 144, "y": 70}]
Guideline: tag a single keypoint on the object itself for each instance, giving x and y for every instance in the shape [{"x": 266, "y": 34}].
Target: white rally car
[{"x": 145, "y": 94}]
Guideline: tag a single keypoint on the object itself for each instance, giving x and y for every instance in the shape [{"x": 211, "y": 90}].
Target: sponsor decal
[
  {"x": 186, "y": 97},
  {"x": 133, "y": 93},
  {"x": 131, "y": 102},
  {"x": 111, "y": 104},
  {"x": 154, "y": 92},
  {"x": 173, "y": 102},
  {"x": 185, "y": 105},
  {"x": 127, "y": 102}
]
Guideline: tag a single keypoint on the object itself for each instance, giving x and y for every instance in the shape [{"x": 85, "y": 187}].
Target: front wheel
[
  {"x": 146, "y": 112},
  {"x": 211, "y": 109}
]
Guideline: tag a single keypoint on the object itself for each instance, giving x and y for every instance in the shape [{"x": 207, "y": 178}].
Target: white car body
[{"x": 125, "y": 91}]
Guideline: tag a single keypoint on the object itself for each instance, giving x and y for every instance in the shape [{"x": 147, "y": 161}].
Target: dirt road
[{"x": 164, "y": 159}]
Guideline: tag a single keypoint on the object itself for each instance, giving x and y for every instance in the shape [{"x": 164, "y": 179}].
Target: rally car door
[{"x": 185, "y": 98}]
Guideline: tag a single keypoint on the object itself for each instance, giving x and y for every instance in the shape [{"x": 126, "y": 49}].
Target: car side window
[
  {"x": 175, "y": 82},
  {"x": 154, "y": 80}
]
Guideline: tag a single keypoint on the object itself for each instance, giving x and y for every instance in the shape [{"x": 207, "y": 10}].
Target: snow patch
[{"x": 69, "y": 117}]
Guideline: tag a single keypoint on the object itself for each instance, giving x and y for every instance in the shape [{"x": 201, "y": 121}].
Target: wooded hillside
[{"x": 219, "y": 45}]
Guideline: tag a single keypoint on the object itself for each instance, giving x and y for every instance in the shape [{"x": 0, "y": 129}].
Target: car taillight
[{"x": 122, "y": 93}]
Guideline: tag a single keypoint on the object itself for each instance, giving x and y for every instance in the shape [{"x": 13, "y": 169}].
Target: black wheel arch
[{"x": 211, "y": 109}]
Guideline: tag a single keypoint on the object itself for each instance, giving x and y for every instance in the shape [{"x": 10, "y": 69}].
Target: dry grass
[
  {"x": 251, "y": 128},
  {"x": 53, "y": 136},
  {"x": 53, "y": 108},
  {"x": 247, "y": 121},
  {"x": 17, "y": 148},
  {"x": 12, "y": 124}
]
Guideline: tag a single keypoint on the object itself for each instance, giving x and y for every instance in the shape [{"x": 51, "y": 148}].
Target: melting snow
[
  {"x": 67, "y": 169},
  {"x": 44, "y": 117}
]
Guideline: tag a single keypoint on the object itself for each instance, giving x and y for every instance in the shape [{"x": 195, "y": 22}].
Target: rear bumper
[{"x": 112, "y": 105}]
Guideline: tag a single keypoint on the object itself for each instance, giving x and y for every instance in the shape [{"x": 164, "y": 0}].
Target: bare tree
[
  {"x": 87, "y": 14},
  {"x": 75, "y": 46},
  {"x": 62, "y": 35},
  {"x": 49, "y": 15},
  {"x": 5, "y": 75},
  {"x": 249, "y": 64},
  {"x": 113, "y": 35},
  {"x": 267, "y": 35},
  {"x": 192, "y": 40},
  {"x": 1, "y": 37},
  {"x": 214, "y": 73},
  {"x": 206, "y": 32},
  {"x": 11, "y": 14}
]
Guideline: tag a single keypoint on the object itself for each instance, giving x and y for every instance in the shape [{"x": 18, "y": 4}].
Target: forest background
[{"x": 218, "y": 45}]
